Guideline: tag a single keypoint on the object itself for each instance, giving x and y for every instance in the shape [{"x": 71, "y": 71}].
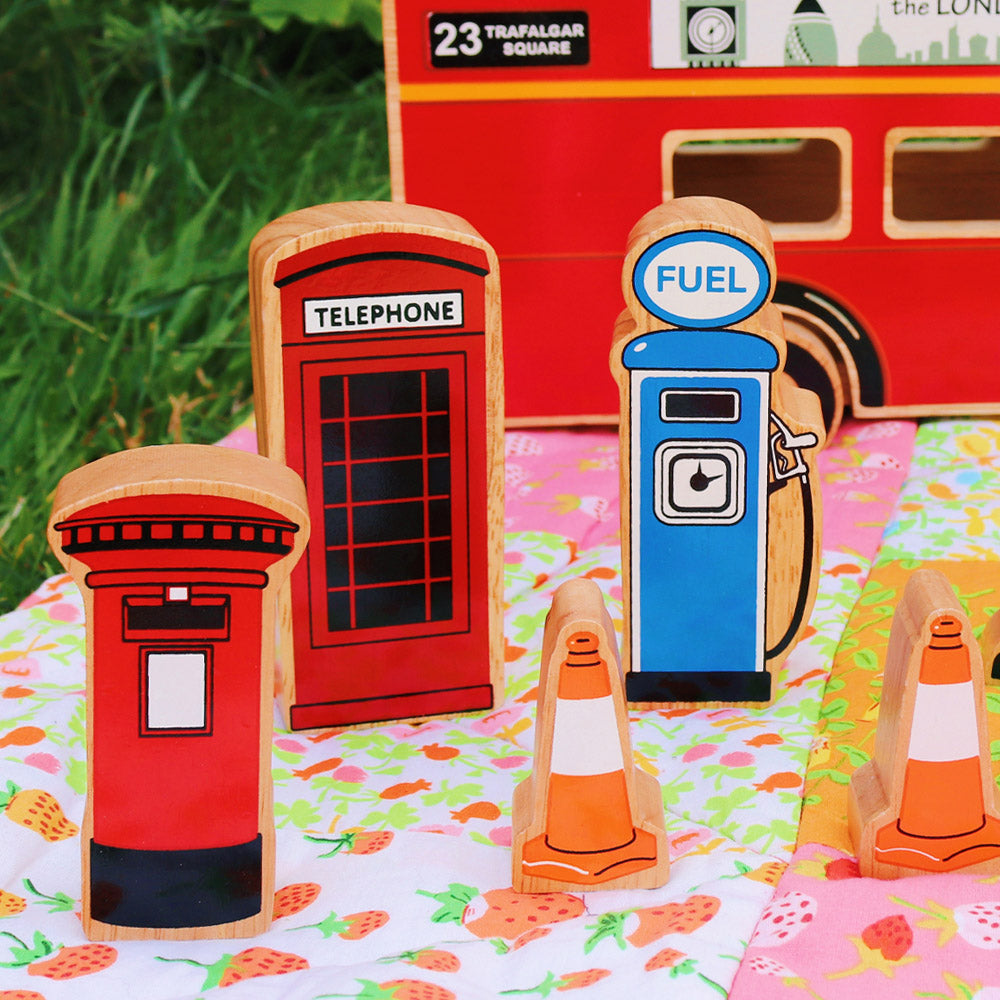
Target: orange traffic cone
[
  {"x": 943, "y": 823},
  {"x": 585, "y": 826}
]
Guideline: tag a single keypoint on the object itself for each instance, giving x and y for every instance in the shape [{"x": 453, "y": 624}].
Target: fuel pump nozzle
[{"x": 786, "y": 452}]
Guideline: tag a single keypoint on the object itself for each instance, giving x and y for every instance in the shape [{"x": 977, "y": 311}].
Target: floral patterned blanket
[{"x": 393, "y": 842}]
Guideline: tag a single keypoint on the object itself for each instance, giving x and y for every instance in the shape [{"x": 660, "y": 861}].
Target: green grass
[{"x": 141, "y": 147}]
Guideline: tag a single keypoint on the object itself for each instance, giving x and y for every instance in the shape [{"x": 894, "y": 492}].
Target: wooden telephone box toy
[
  {"x": 378, "y": 377},
  {"x": 721, "y": 528},
  {"x": 178, "y": 551},
  {"x": 926, "y": 801},
  {"x": 587, "y": 816}
]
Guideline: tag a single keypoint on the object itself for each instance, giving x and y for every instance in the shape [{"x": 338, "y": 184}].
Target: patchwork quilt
[{"x": 393, "y": 842}]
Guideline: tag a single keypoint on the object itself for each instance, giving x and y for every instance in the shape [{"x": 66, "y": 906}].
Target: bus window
[
  {"x": 797, "y": 180},
  {"x": 944, "y": 182}
]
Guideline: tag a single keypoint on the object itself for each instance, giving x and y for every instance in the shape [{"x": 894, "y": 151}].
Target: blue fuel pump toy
[{"x": 719, "y": 558}]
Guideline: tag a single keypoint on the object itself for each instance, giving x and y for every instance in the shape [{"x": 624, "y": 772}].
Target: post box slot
[{"x": 146, "y": 617}]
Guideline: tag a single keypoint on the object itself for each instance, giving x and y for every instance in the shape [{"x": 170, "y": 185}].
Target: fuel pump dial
[{"x": 700, "y": 482}]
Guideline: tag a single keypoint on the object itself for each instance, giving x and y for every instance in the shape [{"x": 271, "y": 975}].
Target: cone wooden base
[
  {"x": 586, "y": 817},
  {"x": 636, "y": 862},
  {"x": 895, "y": 847}
]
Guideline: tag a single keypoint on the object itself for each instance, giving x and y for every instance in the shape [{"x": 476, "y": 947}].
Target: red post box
[
  {"x": 178, "y": 551},
  {"x": 379, "y": 378}
]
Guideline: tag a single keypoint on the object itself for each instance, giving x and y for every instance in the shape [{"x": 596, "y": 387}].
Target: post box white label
[
  {"x": 407, "y": 310},
  {"x": 700, "y": 280}
]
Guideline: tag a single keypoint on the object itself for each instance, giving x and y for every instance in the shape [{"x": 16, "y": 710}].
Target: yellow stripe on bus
[{"x": 555, "y": 90}]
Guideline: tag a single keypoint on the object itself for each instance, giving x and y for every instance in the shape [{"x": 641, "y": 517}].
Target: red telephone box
[
  {"x": 178, "y": 558},
  {"x": 378, "y": 377}
]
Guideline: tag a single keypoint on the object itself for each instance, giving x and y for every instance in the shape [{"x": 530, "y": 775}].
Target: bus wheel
[{"x": 812, "y": 365}]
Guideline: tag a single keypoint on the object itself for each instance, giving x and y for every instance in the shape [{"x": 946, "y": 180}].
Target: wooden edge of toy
[
  {"x": 876, "y": 788},
  {"x": 393, "y": 110},
  {"x": 624, "y": 331},
  {"x": 795, "y": 519},
  {"x": 795, "y": 515},
  {"x": 204, "y": 470},
  {"x": 989, "y": 644},
  {"x": 870, "y": 790},
  {"x": 578, "y": 606}
]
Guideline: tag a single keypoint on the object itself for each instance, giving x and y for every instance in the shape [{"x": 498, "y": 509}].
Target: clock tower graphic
[{"x": 713, "y": 34}]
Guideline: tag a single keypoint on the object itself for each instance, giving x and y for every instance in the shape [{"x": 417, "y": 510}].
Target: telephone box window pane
[
  {"x": 333, "y": 442},
  {"x": 335, "y": 484},
  {"x": 440, "y": 518},
  {"x": 437, "y": 390},
  {"x": 338, "y": 609},
  {"x": 388, "y": 522},
  {"x": 338, "y": 568},
  {"x": 394, "y": 605},
  {"x": 438, "y": 434},
  {"x": 331, "y": 398},
  {"x": 441, "y": 558},
  {"x": 438, "y": 477},
  {"x": 176, "y": 690},
  {"x": 372, "y": 566},
  {"x": 387, "y": 438},
  {"x": 441, "y": 600},
  {"x": 380, "y": 393},
  {"x": 398, "y": 479},
  {"x": 336, "y": 526}
]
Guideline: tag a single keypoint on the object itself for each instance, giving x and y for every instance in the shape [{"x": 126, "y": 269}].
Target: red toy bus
[{"x": 868, "y": 139}]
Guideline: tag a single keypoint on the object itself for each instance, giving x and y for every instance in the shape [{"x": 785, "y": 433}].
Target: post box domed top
[{"x": 179, "y": 498}]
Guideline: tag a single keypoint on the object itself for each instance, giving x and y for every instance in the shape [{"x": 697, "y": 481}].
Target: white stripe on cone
[
  {"x": 956, "y": 739},
  {"x": 585, "y": 737}
]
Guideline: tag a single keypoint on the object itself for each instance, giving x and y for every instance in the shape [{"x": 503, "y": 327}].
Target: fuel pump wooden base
[
  {"x": 587, "y": 817},
  {"x": 721, "y": 534},
  {"x": 378, "y": 376},
  {"x": 926, "y": 801},
  {"x": 179, "y": 551}
]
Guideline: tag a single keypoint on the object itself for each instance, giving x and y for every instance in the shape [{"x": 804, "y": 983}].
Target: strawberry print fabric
[
  {"x": 393, "y": 842},
  {"x": 829, "y": 933}
]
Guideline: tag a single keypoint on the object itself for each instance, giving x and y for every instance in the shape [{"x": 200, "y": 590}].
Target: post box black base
[
  {"x": 698, "y": 685},
  {"x": 192, "y": 888}
]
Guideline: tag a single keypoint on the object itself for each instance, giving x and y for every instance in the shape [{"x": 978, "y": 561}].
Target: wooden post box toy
[
  {"x": 926, "y": 801},
  {"x": 587, "y": 816},
  {"x": 178, "y": 551},
  {"x": 378, "y": 377},
  {"x": 721, "y": 525}
]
